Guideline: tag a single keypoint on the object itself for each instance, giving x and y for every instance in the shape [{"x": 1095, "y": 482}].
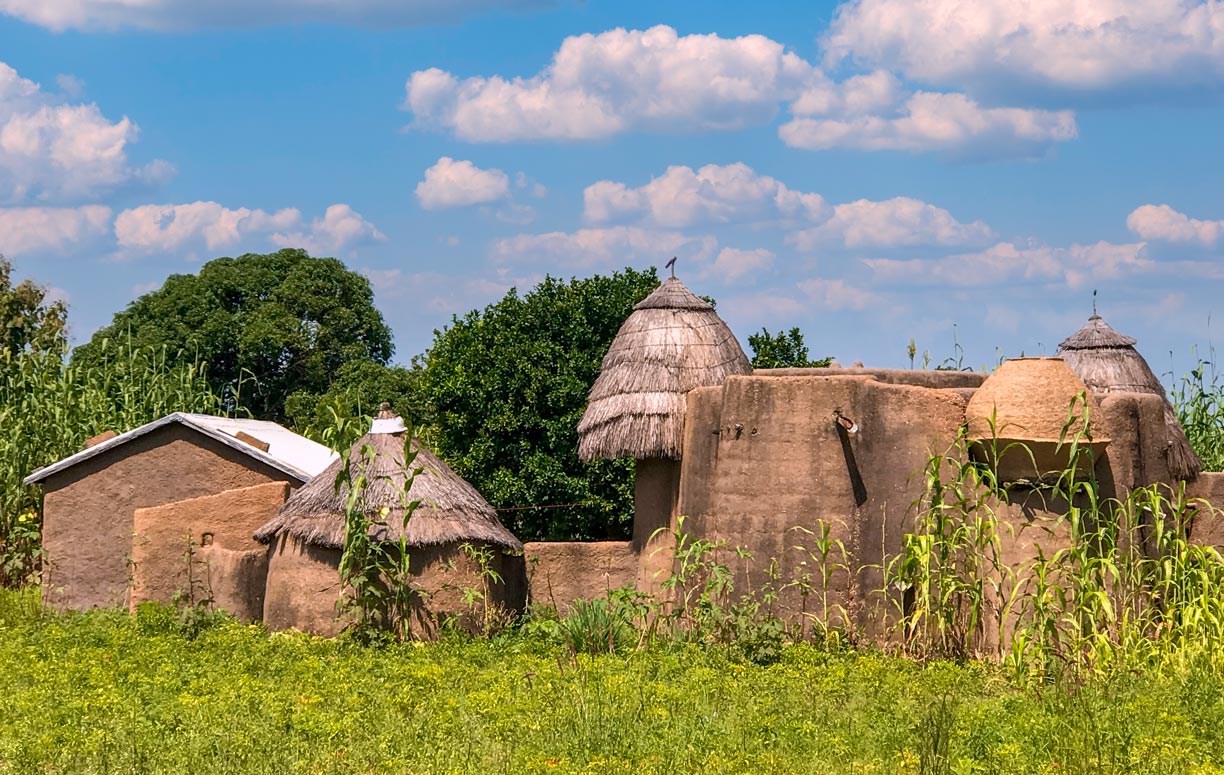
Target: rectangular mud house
[{"x": 90, "y": 498}]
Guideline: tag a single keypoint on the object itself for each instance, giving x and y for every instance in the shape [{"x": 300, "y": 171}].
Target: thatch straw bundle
[
  {"x": 673, "y": 342},
  {"x": 1108, "y": 362},
  {"x": 451, "y": 510}
]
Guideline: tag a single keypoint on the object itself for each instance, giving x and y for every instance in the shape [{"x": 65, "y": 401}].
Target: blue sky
[{"x": 870, "y": 171}]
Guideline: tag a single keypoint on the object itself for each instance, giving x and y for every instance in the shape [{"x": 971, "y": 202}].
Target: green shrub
[{"x": 597, "y": 627}]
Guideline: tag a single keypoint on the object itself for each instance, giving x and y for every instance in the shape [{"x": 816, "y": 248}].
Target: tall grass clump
[
  {"x": 1199, "y": 401},
  {"x": 49, "y": 407}
]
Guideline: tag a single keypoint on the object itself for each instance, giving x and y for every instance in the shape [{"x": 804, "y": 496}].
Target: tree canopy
[
  {"x": 506, "y": 387},
  {"x": 354, "y": 396},
  {"x": 784, "y": 349},
  {"x": 269, "y": 326},
  {"x": 32, "y": 322}
]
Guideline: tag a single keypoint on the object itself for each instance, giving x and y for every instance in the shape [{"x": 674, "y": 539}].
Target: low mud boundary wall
[{"x": 560, "y": 572}]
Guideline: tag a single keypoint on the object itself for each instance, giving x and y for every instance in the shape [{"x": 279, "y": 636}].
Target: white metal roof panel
[{"x": 295, "y": 455}]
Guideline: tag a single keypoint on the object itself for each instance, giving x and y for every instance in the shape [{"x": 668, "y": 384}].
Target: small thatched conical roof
[
  {"x": 673, "y": 342},
  {"x": 1108, "y": 362},
  {"x": 451, "y": 510}
]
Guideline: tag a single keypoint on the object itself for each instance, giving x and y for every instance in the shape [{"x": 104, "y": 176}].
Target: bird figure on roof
[{"x": 672, "y": 266}]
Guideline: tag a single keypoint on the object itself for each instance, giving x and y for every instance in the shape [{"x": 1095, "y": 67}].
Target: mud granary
[
  {"x": 767, "y": 460},
  {"x": 450, "y": 522}
]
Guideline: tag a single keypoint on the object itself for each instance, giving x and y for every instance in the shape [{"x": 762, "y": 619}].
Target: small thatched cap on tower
[
  {"x": 673, "y": 342},
  {"x": 450, "y": 510},
  {"x": 1108, "y": 362}
]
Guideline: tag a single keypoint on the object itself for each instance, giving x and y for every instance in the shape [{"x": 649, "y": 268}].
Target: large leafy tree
[
  {"x": 506, "y": 387},
  {"x": 338, "y": 417},
  {"x": 268, "y": 326},
  {"x": 31, "y": 321},
  {"x": 784, "y": 349}
]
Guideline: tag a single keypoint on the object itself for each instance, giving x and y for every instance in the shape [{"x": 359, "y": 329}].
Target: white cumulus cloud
[
  {"x": 930, "y": 121},
  {"x": 714, "y": 193},
  {"x": 336, "y": 232},
  {"x": 735, "y": 193},
  {"x": 212, "y": 226},
  {"x": 890, "y": 223},
  {"x": 602, "y": 84},
  {"x": 451, "y": 183},
  {"x": 1161, "y": 222},
  {"x": 50, "y": 229},
  {"x": 734, "y": 264},
  {"x": 54, "y": 151},
  {"x": 1071, "y": 45},
  {"x": 1073, "y": 266},
  {"x": 836, "y": 294},
  {"x": 615, "y": 246},
  {"x": 655, "y": 80},
  {"x": 61, "y": 15}
]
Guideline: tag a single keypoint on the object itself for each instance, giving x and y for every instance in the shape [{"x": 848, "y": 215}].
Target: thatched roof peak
[
  {"x": 1108, "y": 362},
  {"x": 1096, "y": 334},
  {"x": 672, "y": 294},
  {"x": 673, "y": 342},
  {"x": 450, "y": 510},
  {"x": 387, "y": 421}
]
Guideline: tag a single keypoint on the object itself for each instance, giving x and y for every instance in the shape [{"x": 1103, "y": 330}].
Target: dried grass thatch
[
  {"x": 1108, "y": 362},
  {"x": 673, "y": 342},
  {"x": 451, "y": 510}
]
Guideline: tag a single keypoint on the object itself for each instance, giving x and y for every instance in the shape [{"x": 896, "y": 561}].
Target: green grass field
[{"x": 105, "y": 692}]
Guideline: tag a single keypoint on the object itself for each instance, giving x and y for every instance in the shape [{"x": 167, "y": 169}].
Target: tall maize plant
[{"x": 49, "y": 408}]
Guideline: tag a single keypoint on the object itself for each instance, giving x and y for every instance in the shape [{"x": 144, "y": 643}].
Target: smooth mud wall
[
  {"x": 202, "y": 548},
  {"x": 561, "y": 572}
]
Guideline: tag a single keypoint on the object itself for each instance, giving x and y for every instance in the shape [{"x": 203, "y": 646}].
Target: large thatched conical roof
[
  {"x": 451, "y": 510},
  {"x": 1108, "y": 362},
  {"x": 673, "y": 342}
]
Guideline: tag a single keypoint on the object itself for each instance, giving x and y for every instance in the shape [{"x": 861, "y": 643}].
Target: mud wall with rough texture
[
  {"x": 1207, "y": 528},
  {"x": 88, "y": 510},
  {"x": 1135, "y": 457},
  {"x": 445, "y": 575},
  {"x": 781, "y": 465},
  {"x": 227, "y": 565},
  {"x": 304, "y": 585},
  {"x": 560, "y": 572},
  {"x": 765, "y": 464},
  {"x": 930, "y": 378}
]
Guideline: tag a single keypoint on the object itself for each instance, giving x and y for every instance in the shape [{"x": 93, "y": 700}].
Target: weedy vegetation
[{"x": 1104, "y": 654}]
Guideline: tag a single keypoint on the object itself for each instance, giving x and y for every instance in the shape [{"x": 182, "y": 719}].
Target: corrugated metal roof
[{"x": 295, "y": 455}]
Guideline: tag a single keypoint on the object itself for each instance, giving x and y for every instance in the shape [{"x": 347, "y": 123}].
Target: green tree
[
  {"x": 356, "y": 392},
  {"x": 784, "y": 349},
  {"x": 506, "y": 387},
  {"x": 32, "y": 323},
  {"x": 268, "y": 326}
]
